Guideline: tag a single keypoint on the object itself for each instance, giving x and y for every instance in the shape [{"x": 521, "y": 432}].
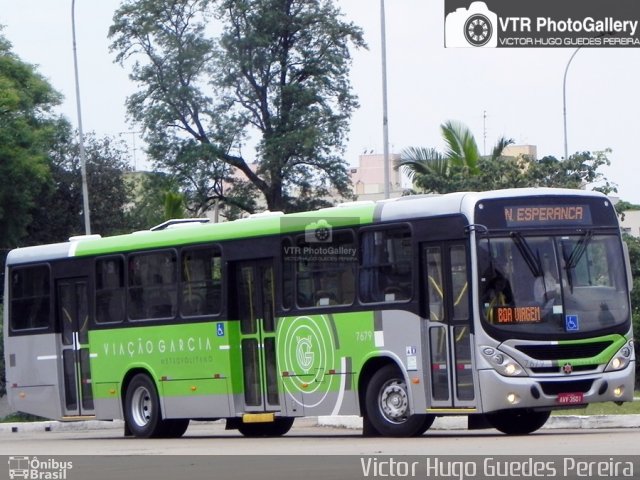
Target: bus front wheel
[
  {"x": 518, "y": 422},
  {"x": 387, "y": 404}
]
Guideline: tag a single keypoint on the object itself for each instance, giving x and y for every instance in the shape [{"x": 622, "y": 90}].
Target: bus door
[
  {"x": 446, "y": 288},
  {"x": 72, "y": 315},
  {"x": 255, "y": 297}
]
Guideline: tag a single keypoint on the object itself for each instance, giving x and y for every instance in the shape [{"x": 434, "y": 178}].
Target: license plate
[{"x": 573, "y": 398}]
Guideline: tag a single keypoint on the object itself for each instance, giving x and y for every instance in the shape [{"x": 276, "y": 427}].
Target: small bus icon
[{"x": 18, "y": 467}]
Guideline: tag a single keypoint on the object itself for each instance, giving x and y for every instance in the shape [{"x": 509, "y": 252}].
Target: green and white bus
[{"x": 501, "y": 306}]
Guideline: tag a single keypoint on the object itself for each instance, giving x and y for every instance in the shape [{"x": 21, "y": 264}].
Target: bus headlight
[
  {"x": 621, "y": 359},
  {"x": 512, "y": 368},
  {"x": 503, "y": 363}
]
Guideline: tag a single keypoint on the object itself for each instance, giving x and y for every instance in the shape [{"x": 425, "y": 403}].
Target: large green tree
[
  {"x": 27, "y": 125},
  {"x": 27, "y": 128},
  {"x": 59, "y": 214},
  {"x": 256, "y": 104}
]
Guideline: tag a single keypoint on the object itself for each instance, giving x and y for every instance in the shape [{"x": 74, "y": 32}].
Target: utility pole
[
  {"x": 83, "y": 155},
  {"x": 484, "y": 133},
  {"x": 564, "y": 102},
  {"x": 385, "y": 118}
]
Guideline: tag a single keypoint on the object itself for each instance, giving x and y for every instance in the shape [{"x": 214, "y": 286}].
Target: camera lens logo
[
  {"x": 478, "y": 30},
  {"x": 473, "y": 26},
  {"x": 318, "y": 232}
]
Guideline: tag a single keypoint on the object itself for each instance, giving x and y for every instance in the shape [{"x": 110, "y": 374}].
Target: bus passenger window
[
  {"x": 432, "y": 259},
  {"x": 385, "y": 265},
  {"x": 201, "y": 282},
  {"x": 288, "y": 264},
  {"x": 110, "y": 290},
  {"x": 459, "y": 282},
  {"x": 325, "y": 272},
  {"x": 152, "y": 285},
  {"x": 30, "y": 298}
]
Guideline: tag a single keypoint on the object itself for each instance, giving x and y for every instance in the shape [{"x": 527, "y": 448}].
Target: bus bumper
[{"x": 501, "y": 393}]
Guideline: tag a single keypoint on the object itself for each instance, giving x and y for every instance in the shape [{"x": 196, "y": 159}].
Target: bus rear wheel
[
  {"x": 518, "y": 422},
  {"x": 277, "y": 428},
  {"x": 387, "y": 405},
  {"x": 174, "y": 428},
  {"x": 143, "y": 414}
]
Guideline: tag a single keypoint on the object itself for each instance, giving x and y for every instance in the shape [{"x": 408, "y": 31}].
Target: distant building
[
  {"x": 631, "y": 222},
  {"x": 368, "y": 177},
  {"x": 530, "y": 151}
]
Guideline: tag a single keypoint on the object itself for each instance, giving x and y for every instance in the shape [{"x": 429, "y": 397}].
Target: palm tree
[
  {"x": 461, "y": 148},
  {"x": 418, "y": 161},
  {"x": 435, "y": 172}
]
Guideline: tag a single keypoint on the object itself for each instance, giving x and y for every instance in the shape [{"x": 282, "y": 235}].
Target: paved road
[
  {"x": 306, "y": 438},
  {"x": 317, "y": 452}
]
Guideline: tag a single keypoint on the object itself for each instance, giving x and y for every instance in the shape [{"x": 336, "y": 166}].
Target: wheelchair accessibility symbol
[
  {"x": 220, "y": 329},
  {"x": 571, "y": 323}
]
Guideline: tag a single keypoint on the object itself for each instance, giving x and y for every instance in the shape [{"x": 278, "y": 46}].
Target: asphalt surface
[{"x": 354, "y": 422}]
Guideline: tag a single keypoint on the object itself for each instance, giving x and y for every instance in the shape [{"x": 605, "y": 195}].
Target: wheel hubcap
[
  {"x": 141, "y": 406},
  {"x": 394, "y": 403}
]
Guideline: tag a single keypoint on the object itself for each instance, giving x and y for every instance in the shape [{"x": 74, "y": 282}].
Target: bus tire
[
  {"x": 387, "y": 406},
  {"x": 277, "y": 428},
  {"x": 518, "y": 422},
  {"x": 174, "y": 428},
  {"x": 142, "y": 408}
]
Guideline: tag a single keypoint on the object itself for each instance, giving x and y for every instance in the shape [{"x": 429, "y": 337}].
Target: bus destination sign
[
  {"x": 546, "y": 215},
  {"x": 515, "y": 315}
]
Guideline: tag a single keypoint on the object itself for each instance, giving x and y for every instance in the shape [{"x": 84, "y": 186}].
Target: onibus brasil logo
[{"x": 38, "y": 469}]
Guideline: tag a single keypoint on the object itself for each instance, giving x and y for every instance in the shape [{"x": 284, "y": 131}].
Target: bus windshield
[{"x": 571, "y": 284}]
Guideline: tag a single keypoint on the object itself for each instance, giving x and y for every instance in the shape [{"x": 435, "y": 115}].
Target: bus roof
[{"x": 349, "y": 214}]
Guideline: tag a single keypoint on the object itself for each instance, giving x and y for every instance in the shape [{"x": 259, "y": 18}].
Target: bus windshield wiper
[
  {"x": 572, "y": 259},
  {"x": 533, "y": 261},
  {"x": 578, "y": 250}
]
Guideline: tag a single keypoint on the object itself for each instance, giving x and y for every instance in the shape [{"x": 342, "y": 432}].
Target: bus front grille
[
  {"x": 560, "y": 352},
  {"x": 558, "y": 369}
]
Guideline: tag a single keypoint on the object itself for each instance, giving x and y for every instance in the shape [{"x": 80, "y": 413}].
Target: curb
[{"x": 55, "y": 426}]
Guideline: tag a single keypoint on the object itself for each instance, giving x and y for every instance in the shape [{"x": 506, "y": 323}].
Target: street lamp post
[
  {"x": 385, "y": 118},
  {"x": 83, "y": 156},
  {"x": 564, "y": 101}
]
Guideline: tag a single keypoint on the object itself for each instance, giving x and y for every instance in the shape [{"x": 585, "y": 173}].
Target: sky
[{"x": 513, "y": 92}]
